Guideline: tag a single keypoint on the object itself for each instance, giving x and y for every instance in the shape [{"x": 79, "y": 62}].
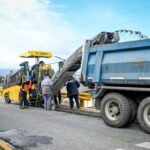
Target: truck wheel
[
  {"x": 7, "y": 99},
  {"x": 144, "y": 114},
  {"x": 133, "y": 110},
  {"x": 115, "y": 110}
]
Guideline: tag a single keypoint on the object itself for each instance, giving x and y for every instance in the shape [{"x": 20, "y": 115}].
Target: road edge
[
  {"x": 78, "y": 111},
  {"x": 6, "y": 146}
]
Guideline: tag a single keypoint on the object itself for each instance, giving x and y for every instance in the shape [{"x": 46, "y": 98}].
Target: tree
[{"x": 2, "y": 78}]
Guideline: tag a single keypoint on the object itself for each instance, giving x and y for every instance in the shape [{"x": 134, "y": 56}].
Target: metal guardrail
[{"x": 82, "y": 96}]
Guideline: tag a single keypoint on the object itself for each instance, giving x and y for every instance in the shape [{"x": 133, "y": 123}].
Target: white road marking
[
  {"x": 145, "y": 145},
  {"x": 119, "y": 149}
]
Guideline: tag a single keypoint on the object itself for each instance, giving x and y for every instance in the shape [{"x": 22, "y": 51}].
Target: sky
[{"x": 61, "y": 26}]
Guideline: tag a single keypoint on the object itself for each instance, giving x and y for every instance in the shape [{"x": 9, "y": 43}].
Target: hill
[{"x": 3, "y": 72}]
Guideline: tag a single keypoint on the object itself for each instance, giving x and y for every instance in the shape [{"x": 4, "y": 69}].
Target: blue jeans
[{"x": 47, "y": 101}]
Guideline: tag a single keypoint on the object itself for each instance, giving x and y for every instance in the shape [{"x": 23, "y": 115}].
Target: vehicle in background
[
  {"x": 2, "y": 79},
  {"x": 11, "y": 87}
]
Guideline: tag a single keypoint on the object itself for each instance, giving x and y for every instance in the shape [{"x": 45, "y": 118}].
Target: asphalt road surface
[{"x": 69, "y": 131}]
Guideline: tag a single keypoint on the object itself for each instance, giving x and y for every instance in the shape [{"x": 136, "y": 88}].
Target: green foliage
[
  {"x": 51, "y": 72},
  {"x": 2, "y": 78}
]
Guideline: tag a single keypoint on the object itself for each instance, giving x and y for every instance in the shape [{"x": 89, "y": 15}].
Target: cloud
[
  {"x": 33, "y": 24},
  {"x": 43, "y": 25}
]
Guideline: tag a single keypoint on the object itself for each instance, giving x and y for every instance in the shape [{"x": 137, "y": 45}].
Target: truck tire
[
  {"x": 143, "y": 114},
  {"x": 7, "y": 99},
  {"x": 115, "y": 110},
  {"x": 134, "y": 108}
]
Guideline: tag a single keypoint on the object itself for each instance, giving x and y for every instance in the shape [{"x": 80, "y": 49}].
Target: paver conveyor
[{"x": 71, "y": 65}]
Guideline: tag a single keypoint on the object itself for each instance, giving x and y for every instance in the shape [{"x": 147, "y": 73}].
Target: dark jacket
[{"x": 72, "y": 87}]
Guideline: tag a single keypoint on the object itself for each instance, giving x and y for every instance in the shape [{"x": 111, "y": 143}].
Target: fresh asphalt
[{"x": 69, "y": 131}]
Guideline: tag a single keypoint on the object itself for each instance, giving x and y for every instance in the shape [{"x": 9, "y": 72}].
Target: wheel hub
[
  {"x": 115, "y": 110},
  {"x": 112, "y": 110}
]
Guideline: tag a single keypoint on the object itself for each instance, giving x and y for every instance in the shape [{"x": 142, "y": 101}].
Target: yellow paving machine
[{"x": 13, "y": 81}]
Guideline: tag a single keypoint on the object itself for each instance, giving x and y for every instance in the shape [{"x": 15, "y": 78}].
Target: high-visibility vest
[{"x": 26, "y": 87}]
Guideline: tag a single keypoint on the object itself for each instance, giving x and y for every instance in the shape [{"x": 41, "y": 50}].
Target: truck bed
[{"x": 117, "y": 63}]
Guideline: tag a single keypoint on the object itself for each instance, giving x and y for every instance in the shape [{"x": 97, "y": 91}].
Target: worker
[
  {"x": 57, "y": 98},
  {"x": 47, "y": 92},
  {"x": 72, "y": 91},
  {"x": 26, "y": 86},
  {"x": 40, "y": 74}
]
